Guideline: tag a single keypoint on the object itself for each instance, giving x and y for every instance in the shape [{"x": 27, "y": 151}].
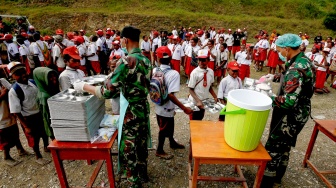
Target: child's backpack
[
  {"x": 158, "y": 90},
  {"x": 18, "y": 90}
]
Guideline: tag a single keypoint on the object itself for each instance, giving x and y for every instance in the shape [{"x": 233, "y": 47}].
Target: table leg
[
  {"x": 59, "y": 169},
  {"x": 109, "y": 166},
  {"x": 195, "y": 173},
  {"x": 260, "y": 174},
  {"x": 311, "y": 145},
  {"x": 95, "y": 173}
]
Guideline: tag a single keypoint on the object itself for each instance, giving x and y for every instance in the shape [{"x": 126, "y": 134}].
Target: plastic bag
[
  {"x": 103, "y": 135},
  {"x": 110, "y": 121}
]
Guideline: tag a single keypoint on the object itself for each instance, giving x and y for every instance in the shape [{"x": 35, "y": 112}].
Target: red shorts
[
  {"x": 220, "y": 72},
  {"x": 175, "y": 64},
  {"x": 229, "y": 48},
  {"x": 244, "y": 71},
  {"x": 211, "y": 65},
  {"x": 244, "y": 41},
  {"x": 188, "y": 67},
  {"x": 235, "y": 49},
  {"x": 95, "y": 66}
]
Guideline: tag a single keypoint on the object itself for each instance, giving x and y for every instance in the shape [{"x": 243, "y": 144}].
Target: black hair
[
  {"x": 94, "y": 38},
  {"x": 36, "y": 36},
  {"x": 66, "y": 57},
  {"x": 212, "y": 41},
  {"x": 165, "y": 61},
  {"x": 207, "y": 35},
  {"x": 144, "y": 36},
  {"x": 222, "y": 38},
  {"x": 195, "y": 39},
  {"x": 76, "y": 32},
  {"x": 225, "y": 45}
]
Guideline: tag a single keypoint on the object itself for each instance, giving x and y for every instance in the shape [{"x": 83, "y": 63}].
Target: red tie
[
  {"x": 205, "y": 79},
  {"x": 312, "y": 57},
  {"x": 174, "y": 48}
]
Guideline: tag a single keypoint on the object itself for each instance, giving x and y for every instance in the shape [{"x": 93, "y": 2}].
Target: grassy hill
[{"x": 284, "y": 16}]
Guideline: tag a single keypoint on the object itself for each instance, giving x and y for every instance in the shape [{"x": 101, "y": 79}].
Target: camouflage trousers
[
  {"x": 133, "y": 151},
  {"x": 284, "y": 129}
]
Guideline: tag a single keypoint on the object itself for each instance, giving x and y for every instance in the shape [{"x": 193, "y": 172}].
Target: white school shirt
[
  {"x": 212, "y": 34},
  {"x": 109, "y": 42},
  {"x": 264, "y": 44},
  {"x": 172, "y": 81},
  {"x": 145, "y": 46},
  {"x": 205, "y": 42},
  {"x": 118, "y": 52},
  {"x": 174, "y": 32},
  {"x": 213, "y": 51},
  {"x": 69, "y": 76},
  {"x": 24, "y": 50},
  {"x": 185, "y": 45},
  {"x": 177, "y": 51},
  {"x": 197, "y": 75},
  {"x": 6, "y": 119},
  {"x": 306, "y": 42},
  {"x": 319, "y": 59},
  {"x": 100, "y": 42},
  {"x": 56, "y": 52},
  {"x": 229, "y": 39},
  {"x": 92, "y": 49},
  {"x": 241, "y": 58},
  {"x": 36, "y": 47},
  {"x": 190, "y": 49},
  {"x": 155, "y": 43},
  {"x": 81, "y": 50},
  {"x": 27, "y": 43},
  {"x": 222, "y": 56},
  {"x": 228, "y": 84},
  {"x": 12, "y": 48},
  {"x": 29, "y": 105}
]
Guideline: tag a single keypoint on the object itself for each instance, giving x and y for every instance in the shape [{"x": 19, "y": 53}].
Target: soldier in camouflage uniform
[
  {"x": 131, "y": 78},
  {"x": 291, "y": 107}
]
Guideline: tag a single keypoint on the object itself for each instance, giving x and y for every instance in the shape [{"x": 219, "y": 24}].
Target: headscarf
[{"x": 288, "y": 40}]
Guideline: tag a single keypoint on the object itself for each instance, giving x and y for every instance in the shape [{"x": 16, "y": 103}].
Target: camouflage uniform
[
  {"x": 131, "y": 78},
  {"x": 290, "y": 113}
]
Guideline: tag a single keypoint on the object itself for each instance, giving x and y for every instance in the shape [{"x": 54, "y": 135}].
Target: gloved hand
[
  {"x": 269, "y": 77},
  {"x": 79, "y": 86}
]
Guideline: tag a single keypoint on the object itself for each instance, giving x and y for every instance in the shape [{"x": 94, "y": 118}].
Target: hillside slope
[{"x": 285, "y": 15}]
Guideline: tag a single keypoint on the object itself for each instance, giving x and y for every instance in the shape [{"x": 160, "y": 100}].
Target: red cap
[
  {"x": 229, "y": 30},
  {"x": 188, "y": 35},
  {"x": 200, "y": 32},
  {"x": 115, "y": 57},
  {"x": 218, "y": 31},
  {"x": 156, "y": 33},
  {"x": 116, "y": 42},
  {"x": 72, "y": 51},
  {"x": 100, "y": 32},
  {"x": 163, "y": 52},
  {"x": 24, "y": 34},
  {"x": 70, "y": 35},
  {"x": 117, "y": 38},
  {"x": 59, "y": 32},
  {"x": 223, "y": 29},
  {"x": 174, "y": 37},
  {"x": 7, "y": 37},
  {"x": 233, "y": 65},
  {"x": 46, "y": 38},
  {"x": 108, "y": 29},
  {"x": 79, "y": 39},
  {"x": 109, "y": 32}
]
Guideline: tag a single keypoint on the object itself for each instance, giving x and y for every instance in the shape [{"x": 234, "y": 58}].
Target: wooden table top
[
  {"x": 207, "y": 140},
  {"x": 55, "y": 144},
  {"x": 328, "y": 125}
]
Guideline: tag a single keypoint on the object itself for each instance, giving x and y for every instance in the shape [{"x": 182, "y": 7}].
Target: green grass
[{"x": 285, "y": 15}]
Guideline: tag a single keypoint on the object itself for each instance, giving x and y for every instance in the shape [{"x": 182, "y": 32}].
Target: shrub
[{"x": 330, "y": 21}]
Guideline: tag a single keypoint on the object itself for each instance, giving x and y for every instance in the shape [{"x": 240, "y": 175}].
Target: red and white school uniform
[
  {"x": 244, "y": 64},
  {"x": 94, "y": 60},
  {"x": 190, "y": 50},
  {"x": 24, "y": 51},
  {"x": 211, "y": 63},
  {"x": 229, "y": 41},
  {"x": 321, "y": 72},
  {"x": 273, "y": 57},
  {"x": 177, "y": 55},
  {"x": 222, "y": 56},
  {"x": 262, "y": 50},
  {"x": 145, "y": 47}
]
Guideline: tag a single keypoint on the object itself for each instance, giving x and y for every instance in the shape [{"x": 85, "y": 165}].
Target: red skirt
[
  {"x": 262, "y": 55},
  {"x": 188, "y": 67},
  {"x": 220, "y": 72},
  {"x": 320, "y": 79},
  {"x": 235, "y": 49},
  {"x": 244, "y": 71},
  {"x": 175, "y": 64},
  {"x": 9, "y": 137},
  {"x": 211, "y": 65},
  {"x": 273, "y": 59},
  {"x": 95, "y": 66}
]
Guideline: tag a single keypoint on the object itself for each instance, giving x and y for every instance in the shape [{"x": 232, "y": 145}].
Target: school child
[
  {"x": 24, "y": 52},
  {"x": 23, "y": 103},
  {"x": 322, "y": 63},
  {"x": 243, "y": 58},
  {"x": 93, "y": 57},
  {"x": 230, "y": 82},
  {"x": 221, "y": 62},
  {"x": 145, "y": 47},
  {"x": 177, "y": 54},
  {"x": 57, "y": 53},
  {"x": 213, "y": 54},
  {"x": 191, "y": 57},
  {"x": 9, "y": 132},
  {"x": 201, "y": 79},
  {"x": 273, "y": 58},
  {"x": 79, "y": 43},
  {"x": 165, "y": 113}
]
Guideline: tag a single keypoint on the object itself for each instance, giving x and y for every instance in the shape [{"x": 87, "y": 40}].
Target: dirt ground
[{"x": 173, "y": 173}]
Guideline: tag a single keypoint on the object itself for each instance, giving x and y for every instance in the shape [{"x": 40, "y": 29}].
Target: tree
[{"x": 330, "y": 21}]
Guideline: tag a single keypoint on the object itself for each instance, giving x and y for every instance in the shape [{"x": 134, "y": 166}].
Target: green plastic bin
[{"x": 246, "y": 114}]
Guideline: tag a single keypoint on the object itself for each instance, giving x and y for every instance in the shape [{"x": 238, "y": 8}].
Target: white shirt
[
  {"x": 145, "y": 46},
  {"x": 197, "y": 75},
  {"x": 174, "y": 32},
  {"x": 57, "y": 52},
  {"x": 29, "y": 104},
  {"x": 177, "y": 51},
  {"x": 306, "y": 42},
  {"x": 109, "y": 42},
  {"x": 191, "y": 49},
  {"x": 36, "y": 47},
  {"x": 27, "y": 43},
  {"x": 155, "y": 44},
  {"x": 228, "y": 84},
  {"x": 24, "y": 50},
  {"x": 92, "y": 49},
  {"x": 320, "y": 61},
  {"x": 100, "y": 42},
  {"x": 222, "y": 56},
  {"x": 213, "y": 51},
  {"x": 81, "y": 51},
  {"x": 119, "y": 52},
  {"x": 212, "y": 34},
  {"x": 12, "y": 49},
  {"x": 185, "y": 44},
  {"x": 205, "y": 42},
  {"x": 69, "y": 76},
  {"x": 229, "y": 39},
  {"x": 6, "y": 119},
  {"x": 264, "y": 44},
  {"x": 241, "y": 58},
  {"x": 172, "y": 81}
]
